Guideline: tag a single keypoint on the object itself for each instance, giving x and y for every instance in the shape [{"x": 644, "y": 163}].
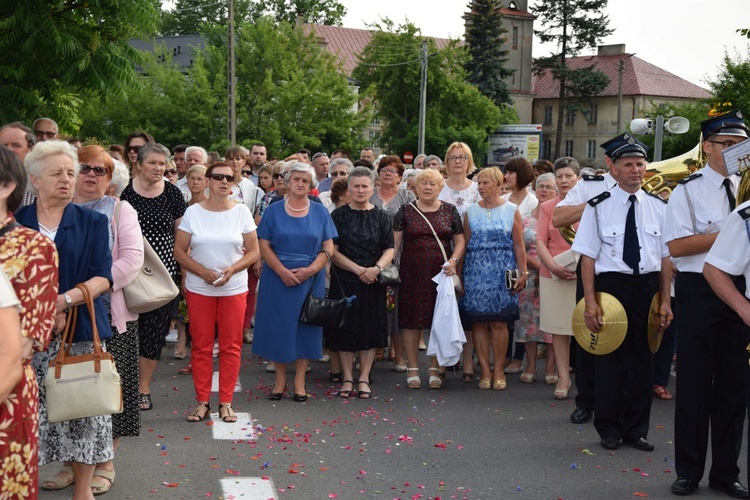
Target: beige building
[{"x": 643, "y": 86}]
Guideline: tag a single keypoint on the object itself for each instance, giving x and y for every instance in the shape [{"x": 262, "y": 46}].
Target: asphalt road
[{"x": 454, "y": 443}]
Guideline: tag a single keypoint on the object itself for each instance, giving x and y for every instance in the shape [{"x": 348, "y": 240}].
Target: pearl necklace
[{"x": 297, "y": 209}]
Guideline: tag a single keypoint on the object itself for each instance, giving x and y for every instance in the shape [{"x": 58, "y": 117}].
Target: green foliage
[
  {"x": 389, "y": 72},
  {"x": 485, "y": 36},
  {"x": 731, "y": 88},
  {"x": 289, "y": 95},
  {"x": 676, "y": 144},
  {"x": 573, "y": 25},
  {"x": 189, "y": 17},
  {"x": 744, "y": 32},
  {"x": 51, "y": 52}
]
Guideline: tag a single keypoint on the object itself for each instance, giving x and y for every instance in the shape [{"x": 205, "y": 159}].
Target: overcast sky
[{"x": 666, "y": 33}]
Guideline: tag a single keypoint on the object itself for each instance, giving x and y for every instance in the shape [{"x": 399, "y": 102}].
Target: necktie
[
  {"x": 730, "y": 195},
  {"x": 631, "y": 252}
]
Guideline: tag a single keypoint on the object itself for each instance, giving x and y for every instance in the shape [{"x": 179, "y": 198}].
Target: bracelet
[
  {"x": 380, "y": 269},
  {"x": 455, "y": 259},
  {"x": 525, "y": 272}
]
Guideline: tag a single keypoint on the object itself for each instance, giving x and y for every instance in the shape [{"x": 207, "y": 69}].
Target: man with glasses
[
  {"x": 321, "y": 163},
  {"x": 194, "y": 155},
  {"x": 257, "y": 161},
  {"x": 20, "y": 139},
  {"x": 45, "y": 129},
  {"x": 711, "y": 352},
  {"x": 340, "y": 168}
]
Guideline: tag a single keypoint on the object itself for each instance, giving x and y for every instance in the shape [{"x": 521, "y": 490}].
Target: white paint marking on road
[
  {"x": 248, "y": 488},
  {"x": 241, "y": 429},
  {"x": 215, "y": 384}
]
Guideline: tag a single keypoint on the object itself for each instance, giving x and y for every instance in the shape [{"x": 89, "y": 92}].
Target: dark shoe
[
  {"x": 335, "y": 377},
  {"x": 144, "y": 402},
  {"x": 684, "y": 487},
  {"x": 276, "y": 396},
  {"x": 610, "y": 443},
  {"x": 640, "y": 444},
  {"x": 300, "y": 398},
  {"x": 344, "y": 393},
  {"x": 735, "y": 489},
  {"x": 581, "y": 415}
]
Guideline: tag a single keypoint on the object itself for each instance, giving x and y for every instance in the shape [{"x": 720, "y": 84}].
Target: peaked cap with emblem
[
  {"x": 731, "y": 123},
  {"x": 624, "y": 145}
]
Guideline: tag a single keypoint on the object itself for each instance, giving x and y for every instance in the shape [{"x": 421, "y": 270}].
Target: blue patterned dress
[{"x": 488, "y": 254}]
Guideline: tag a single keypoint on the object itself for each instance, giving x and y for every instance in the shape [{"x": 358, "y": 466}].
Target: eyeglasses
[
  {"x": 339, "y": 174},
  {"x": 458, "y": 158},
  {"x": 544, "y": 186},
  {"x": 98, "y": 171},
  {"x": 278, "y": 176},
  {"x": 222, "y": 177},
  {"x": 388, "y": 171},
  {"x": 171, "y": 171},
  {"x": 319, "y": 155},
  {"x": 247, "y": 172},
  {"x": 134, "y": 149},
  {"x": 725, "y": 144},
  {"x": 43, "y": 133}
]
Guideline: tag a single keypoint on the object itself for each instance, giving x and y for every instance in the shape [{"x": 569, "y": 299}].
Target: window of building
[
  {"x": 593, "y": 113},
  {"x": 548, "y": 115},
  {"x": 372, "y": 135},
  {"x": 570, "y": 117},
  {"x": 591, "y": 150},
  {"x": 515, "y": 37},
  {"x": 546, "y": 148},
  {"x": 375, "y": 121},
  {"x": 568, "y": 148}
]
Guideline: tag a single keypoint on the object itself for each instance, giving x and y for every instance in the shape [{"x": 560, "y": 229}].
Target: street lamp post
[{"x": 644, "y": 126}]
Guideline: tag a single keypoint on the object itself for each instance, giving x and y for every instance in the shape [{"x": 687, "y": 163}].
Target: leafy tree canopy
[
  {"x": 485, "y": 37},
  {"x": 52, "y": 51},
  {"x": 731, "y": 87},
  {"x": 389, "y": 73}
]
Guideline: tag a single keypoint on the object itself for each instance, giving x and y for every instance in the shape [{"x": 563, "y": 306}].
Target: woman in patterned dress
[
  {"x": 30, "y": 262},
  {"x": 527, "y": 327},
  {"x": 160, "y": 206},
  {"x": 494, "y": 237}
]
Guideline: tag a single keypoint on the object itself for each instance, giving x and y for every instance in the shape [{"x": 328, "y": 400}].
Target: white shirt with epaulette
[
  {"x": 587, "y": 188},
  {"x": 731, "y": 250},
  {"x": 698, "y": 205},
  {"x": 601, "y": 233}
]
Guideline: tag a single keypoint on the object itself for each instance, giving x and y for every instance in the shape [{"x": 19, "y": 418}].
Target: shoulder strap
[
  {"x": 9, "y": 227},
  {"x": 691, "y": 209},
  {"x": 440, "y": 243},
  {"x": 116, "y": 216}
]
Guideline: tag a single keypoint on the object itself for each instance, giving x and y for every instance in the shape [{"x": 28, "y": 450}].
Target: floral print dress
[
  {"x": 30, "y": 261},
  {"x": 527, "y": 327}
]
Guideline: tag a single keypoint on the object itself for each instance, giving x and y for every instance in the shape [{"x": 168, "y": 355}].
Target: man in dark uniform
[
  {"x": 623, "y": 254},
  {"x": 710, "y": 388}
]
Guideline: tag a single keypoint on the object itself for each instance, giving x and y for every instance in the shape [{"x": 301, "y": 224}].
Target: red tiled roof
[
  {"x": 639, "y": 78},
  {"x": 347, "y": 43}
]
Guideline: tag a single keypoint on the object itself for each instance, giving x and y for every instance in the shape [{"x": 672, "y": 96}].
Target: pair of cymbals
[{"x": 615, "y": 326}]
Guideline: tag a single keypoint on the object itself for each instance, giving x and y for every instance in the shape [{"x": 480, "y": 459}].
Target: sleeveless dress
[{"x": 488, "y": 254}]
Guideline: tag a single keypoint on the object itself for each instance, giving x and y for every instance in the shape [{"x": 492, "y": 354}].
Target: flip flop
[
  {"x": 55, "y": 480},
  {"x": 102, "y": 487}
]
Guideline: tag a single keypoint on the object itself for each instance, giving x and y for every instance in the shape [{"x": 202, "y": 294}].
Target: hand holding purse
[{"x": 321, "y": 311}]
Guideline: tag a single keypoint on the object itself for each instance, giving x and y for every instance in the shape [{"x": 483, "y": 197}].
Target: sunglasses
[
  {"x": 247, "y": 172},
  {"x": 171, "y": 171},
  {"x": 42, "y": 133},
  {"x": 339, "y": 174},
  {"x": 222, "y": 177},
  {"x": 134, "y": 149},
  {"x": 278, "y": 176},
  {"x": 98, "y": 171},
  {"x": 319, "y": 155}
]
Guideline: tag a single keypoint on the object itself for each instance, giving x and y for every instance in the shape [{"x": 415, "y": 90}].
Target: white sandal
[
  {"x": 413, "y": 382},
  {"x": 435, "y": 382}
]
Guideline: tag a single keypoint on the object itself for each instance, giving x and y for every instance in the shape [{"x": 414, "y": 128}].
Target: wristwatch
[
  {"x": 68, "y": 301},
  {"x": 455, "y": 259}
]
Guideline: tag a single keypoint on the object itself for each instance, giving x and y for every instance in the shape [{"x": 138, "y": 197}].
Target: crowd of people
[{"x": 248, "y": 239}]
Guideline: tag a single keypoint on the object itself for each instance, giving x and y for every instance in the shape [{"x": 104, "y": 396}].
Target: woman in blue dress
[
  {"x": 295, "y": 238},
  {"x": 494, "y": 243}
]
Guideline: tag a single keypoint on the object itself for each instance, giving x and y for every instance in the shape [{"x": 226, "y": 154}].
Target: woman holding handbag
[
  {"x": 363, "y": 248},
  {"x": 294, "y": 236},
  {"x": 215, "y": 244},
  {"x": 82, "y": 240},
  {"x": 426, "y": 228},
  {"x": 34, "y": 281}
]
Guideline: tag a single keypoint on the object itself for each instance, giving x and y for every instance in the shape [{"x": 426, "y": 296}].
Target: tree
[
  {"x": 52, "y": 52},
  {"x": 389, "y": 74},
  {"x": 573, "y": 25},
  {"x": 290, "y": 94},
  {"x": 188, "y": 17},
  {"x": 731, "y": 88},
  {"x": 485, "y": 37}
]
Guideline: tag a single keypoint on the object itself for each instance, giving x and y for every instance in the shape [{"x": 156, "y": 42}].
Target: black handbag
[
  {"x": 389, "y": 276},
  {"x": 320, "y": 311}
]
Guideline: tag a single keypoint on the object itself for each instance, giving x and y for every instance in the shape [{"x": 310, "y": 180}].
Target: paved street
[{"x": 458, "y": 442}]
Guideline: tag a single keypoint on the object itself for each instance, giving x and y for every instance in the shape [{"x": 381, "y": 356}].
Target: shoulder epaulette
[
  {"x": 744, "y": 213},
  {"x": 589, "y": 177},
  {"x": 690, "y": 178},
  {"x": 656, "y": 196},
  {"x": 599, "y": 198}
]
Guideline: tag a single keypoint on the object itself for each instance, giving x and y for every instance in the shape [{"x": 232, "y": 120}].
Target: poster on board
[{"x": 511, "y": 141}]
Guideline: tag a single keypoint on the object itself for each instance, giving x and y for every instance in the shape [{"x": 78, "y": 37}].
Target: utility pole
[
  {"x": 232, "y": 87},
  {"x": 422, "y": 99},
  {"x": 620, "y": 71}
]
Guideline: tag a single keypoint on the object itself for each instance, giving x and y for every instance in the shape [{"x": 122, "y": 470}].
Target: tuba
[
  {"x": 743, "y": 190},
  {"x": 568, "y": 233},
  {"x": 662, "y": 176}
]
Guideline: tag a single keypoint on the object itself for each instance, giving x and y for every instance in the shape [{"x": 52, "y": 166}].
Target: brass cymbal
[
  {"x": 654, "y": 335},
  {"x": 612, "y": 332}
]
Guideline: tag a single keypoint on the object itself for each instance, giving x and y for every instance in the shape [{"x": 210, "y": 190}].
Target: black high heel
[
  {"x": 276, "y": 396},
  {"x": 300, "y": 398}
]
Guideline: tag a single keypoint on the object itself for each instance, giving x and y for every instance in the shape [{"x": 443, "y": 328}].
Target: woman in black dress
[{"x": 363, "y": 248}]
